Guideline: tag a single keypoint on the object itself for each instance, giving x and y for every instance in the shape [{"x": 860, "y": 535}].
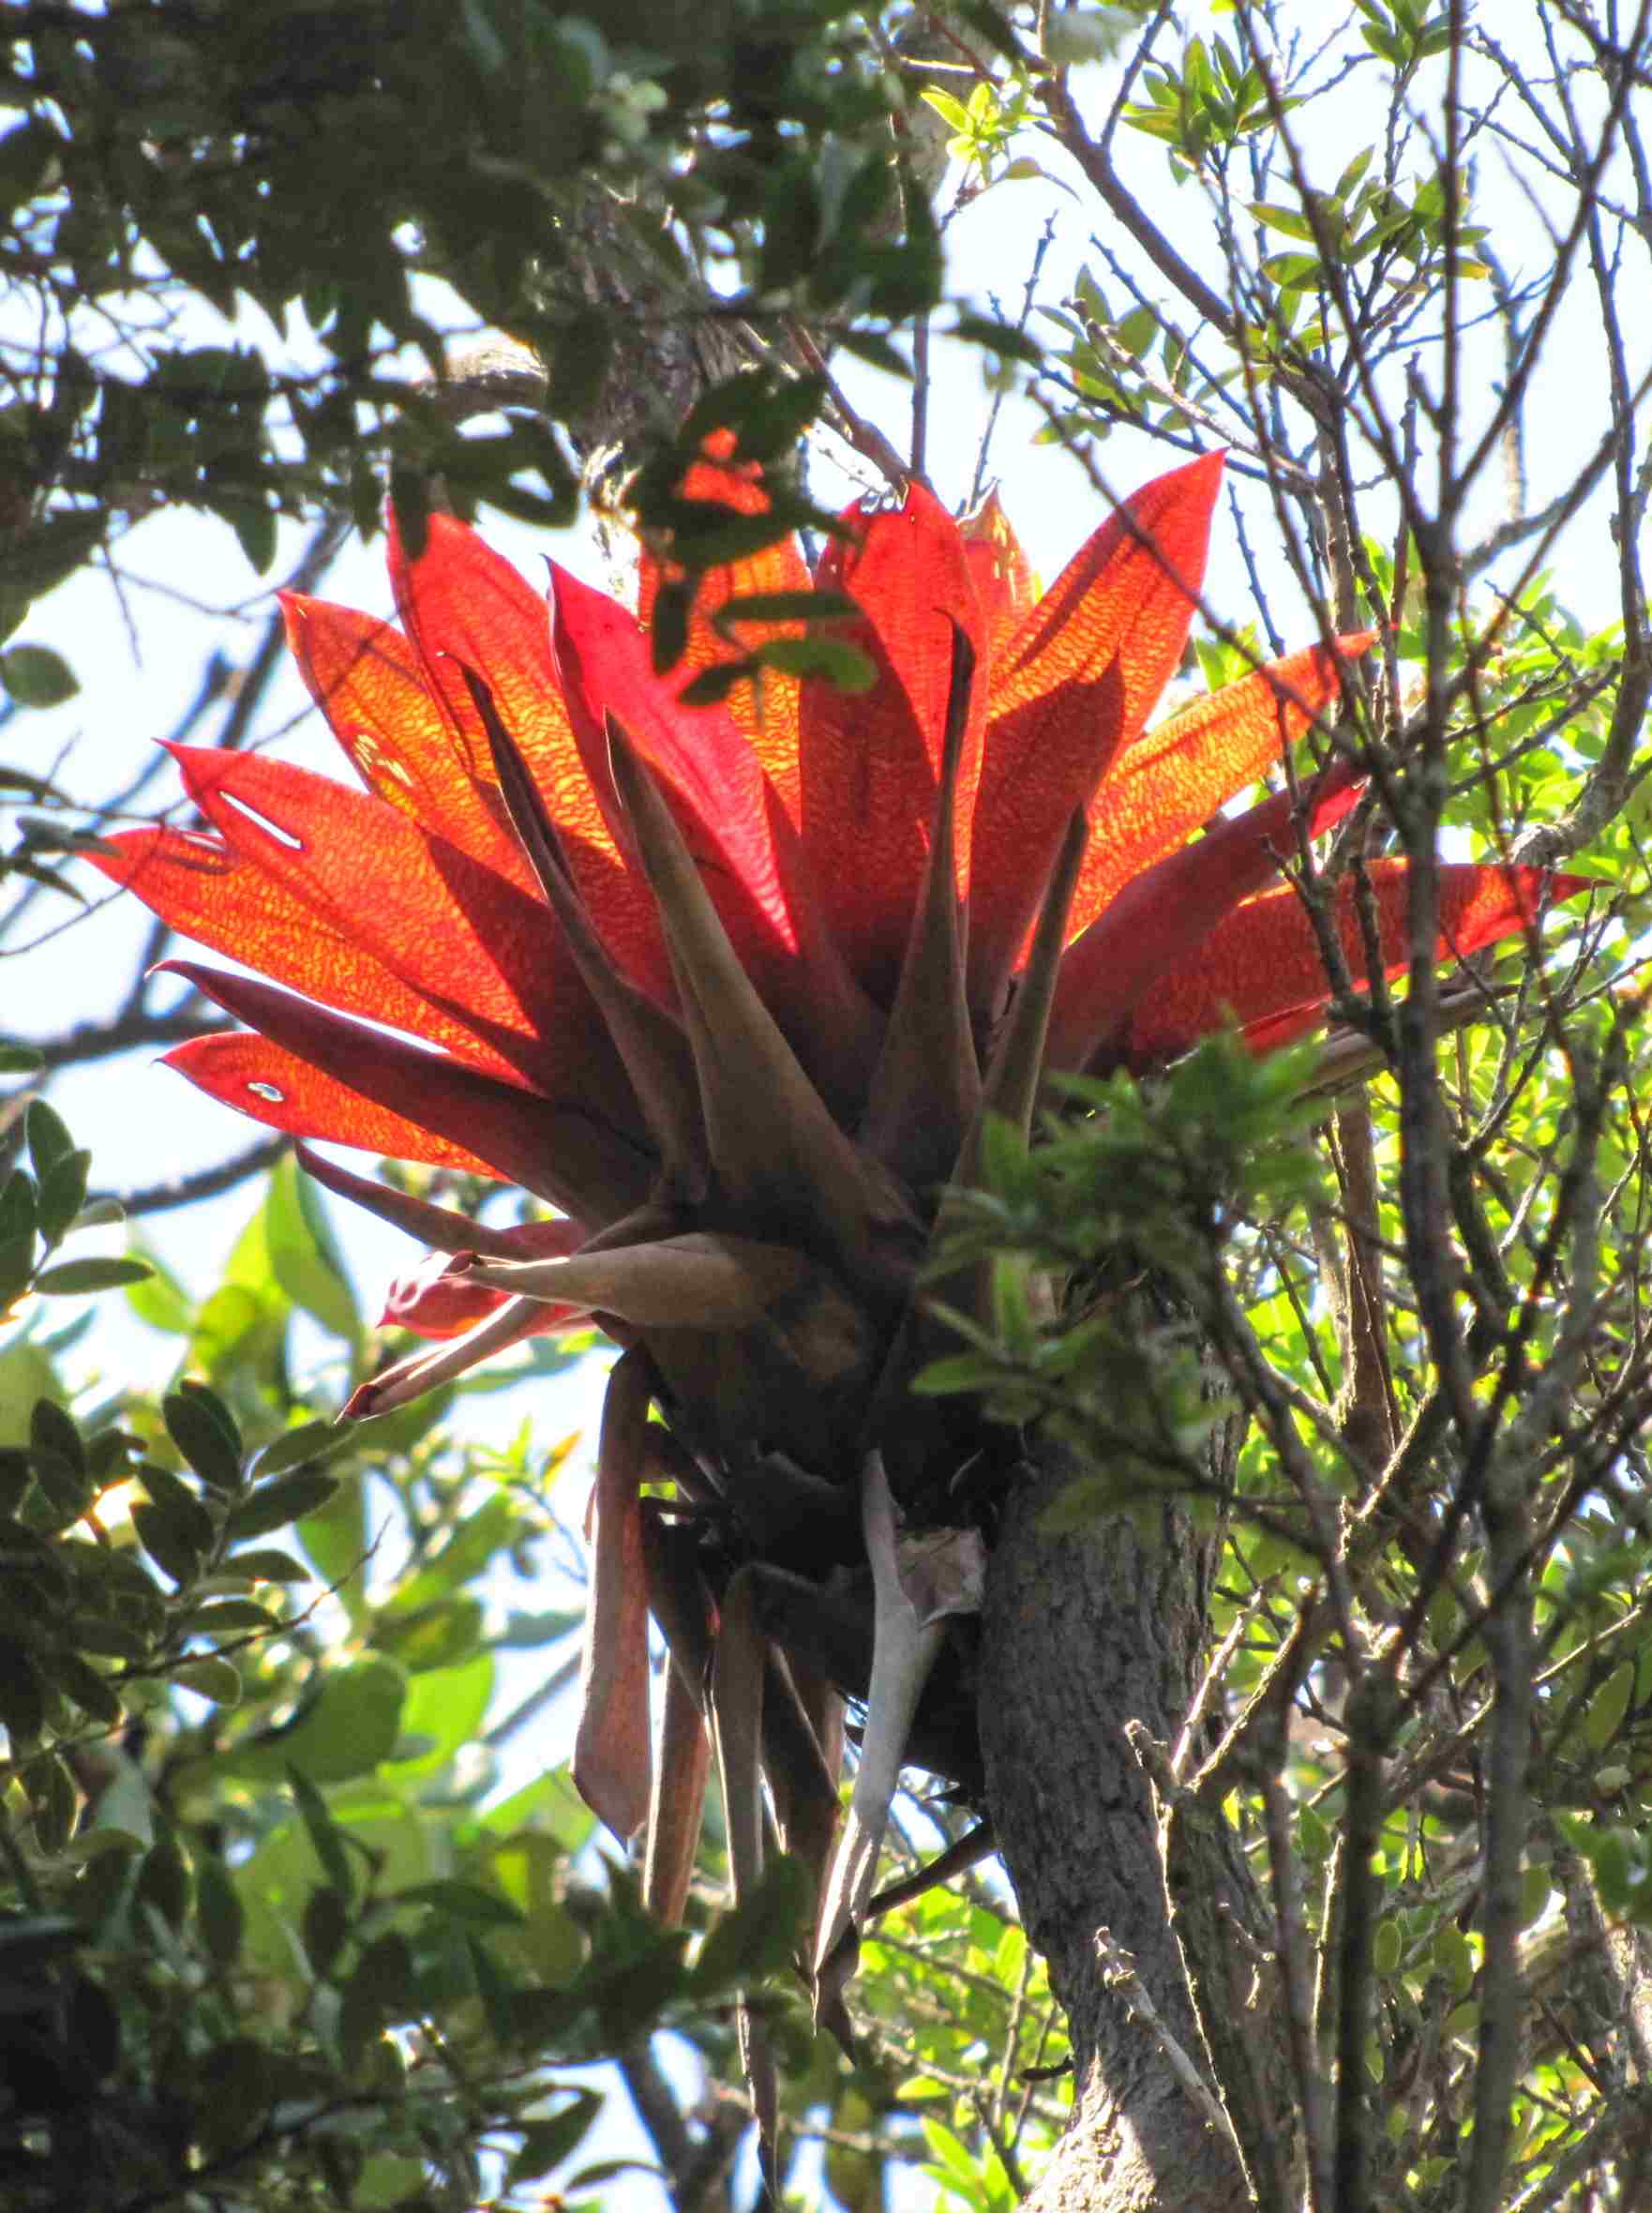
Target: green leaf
[
  {"x": 1003, "y": 338},
  {"x": 52, "y": 1431},
  {"x": 205, "y": 1437},
  {"x": 218, "y": 1912},
  {"x": 74, "y": 1278},
  {"x": 1606, "y": 1709},
  {"x": 48, "y": 1140},
  {"x": 757, "y": 1937},
  {"x": 20, "y": 1060},
  {"x": 269, "y": 1567},
  {"x": 166, "y": 1537},
  {"x": 35, "y": 676},
  {"x": 209, "y": 1676},
  {"x": 444, "y": 1711},
  {"x": 546, "y": 2144},
  {"x": 302, "y": 1256},
  {"x": 278, "y": 1505},
  {"x": 160, "y": 1299},
  {"x": 301, "y": 1448},
  {"x": 462, "y": 1902},
  {"x": 63, "y": 1193},
  {"x": 91, "y": 1691},
  {"x": 350, "y": 1728},
  {"x": 53, "y": 1803},
  {"x": 325, "y": 1834},
  {"x": 835, "y": 658}
]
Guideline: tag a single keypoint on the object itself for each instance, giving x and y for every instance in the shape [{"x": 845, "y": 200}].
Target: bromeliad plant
[{"x": 734, "y": 987}]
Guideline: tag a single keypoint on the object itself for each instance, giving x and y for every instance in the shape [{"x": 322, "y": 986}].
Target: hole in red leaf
[
  {"x": 294, "y": 844},
  {"x": 271, "y": 1092}
]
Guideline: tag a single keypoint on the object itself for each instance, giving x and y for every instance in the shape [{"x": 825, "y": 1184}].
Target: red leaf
[
  {"x": 274, "y": 1086},
  {"x": 1004, "y": 583},
  {"x": 557, "y": 1147},
  {"x": 225, "y": 902},
  {"x": 1178, "y": 776},
  {"x": 465, "y": 607},
  {"x": 364, "y": 677},
  {"x": 492, "y": 974},
  {"x": 870, "y": 762},
  {"x": 704, "y": 763},
  {"x": 1160, "y": 922},
  {"x": 1079, "y": 679},
  {"x": 769, "y": 724},
  {"x": 1264, "y": 962},
  {"x": 439, "y": 1299}
]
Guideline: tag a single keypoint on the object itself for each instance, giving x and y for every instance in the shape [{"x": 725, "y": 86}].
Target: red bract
[{"x": 731, "y": 986}]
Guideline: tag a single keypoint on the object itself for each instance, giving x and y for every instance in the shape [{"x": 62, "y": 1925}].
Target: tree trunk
[{"x": 1084, "y": 1632}]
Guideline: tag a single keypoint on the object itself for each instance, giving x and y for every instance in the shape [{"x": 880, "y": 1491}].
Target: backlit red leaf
[
  {"x": 367, "y": 681},
  {"x": 264, "y": 1079},
  {"x": 1264, "y": 961},
  {"x": 870, "y": 762},
  {"x": 1004, "y": 583},
  {"x": 699, "y": 755},
  {"x": 493, "y": 977},
  {"x": 1078, "y": 679},
  {"x": 1161, "y": 920},
  {"x": 465, "y": 606},
  {"x": 558, "y": 1148},
  {"x": 769, "y": 722},
  {"x": 1175, "y": 777}
]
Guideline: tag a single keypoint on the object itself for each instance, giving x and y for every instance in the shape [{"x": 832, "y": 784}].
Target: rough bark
[{"x": 1084, "y": 1633}]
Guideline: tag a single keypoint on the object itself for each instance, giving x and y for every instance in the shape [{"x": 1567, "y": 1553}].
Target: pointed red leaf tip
[
  {"x": 224, "y": 900},
  {"x": 768, "y": 721},
  {"x": 1080, "y": 677},
  {"x": 871, "y": 761},
  {"x": 562, "y": 1150},
  {"x": 1261, "y": 968},
  {"x": 1162, "y": 917},
  {"x": 443, "y": 946},
  {"x": 465, "y": 606},
  {"x": 1004, "y": 583},
  {"x": 366, "y": 679},
  {"x": 713, "y": 780},
  {"x": 1176, "y": 776}
]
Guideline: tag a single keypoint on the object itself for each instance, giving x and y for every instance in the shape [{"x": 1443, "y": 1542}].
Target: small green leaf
[
  {"x": 202, "y": 1438},
  {"x": 325, "y": 1834},
  {"x": 52, "y": 1431},
  {"x": 35, "y": 676},
  {"x": 209, "y": 1676},
  {"x": 278, "y": 1505},
  {"x": 20, "y": 1060},
  {"x": 167, "y": 1540},
  {"x": 757, "y": 1937},
  {"x": 325, "y": 1927},
  {"x": 52, "y": 1803},
  {"x": 63, "y": 1193},
  {"x": 269, "y": 1567},
  {"x": 300, "y": 1448},
  {"x": 160, "y": 1299},
  {"x": 1003, "y": 338},
  {"x": 546, "y": 2144},
  {"x": 74, "y": 1278},
  {"x": 48, "y": 1137},
  {"x": 91, "y": 1691},
  {"x": 1608, "y": 1707},
  {"x": 218, "y": 1912}
]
